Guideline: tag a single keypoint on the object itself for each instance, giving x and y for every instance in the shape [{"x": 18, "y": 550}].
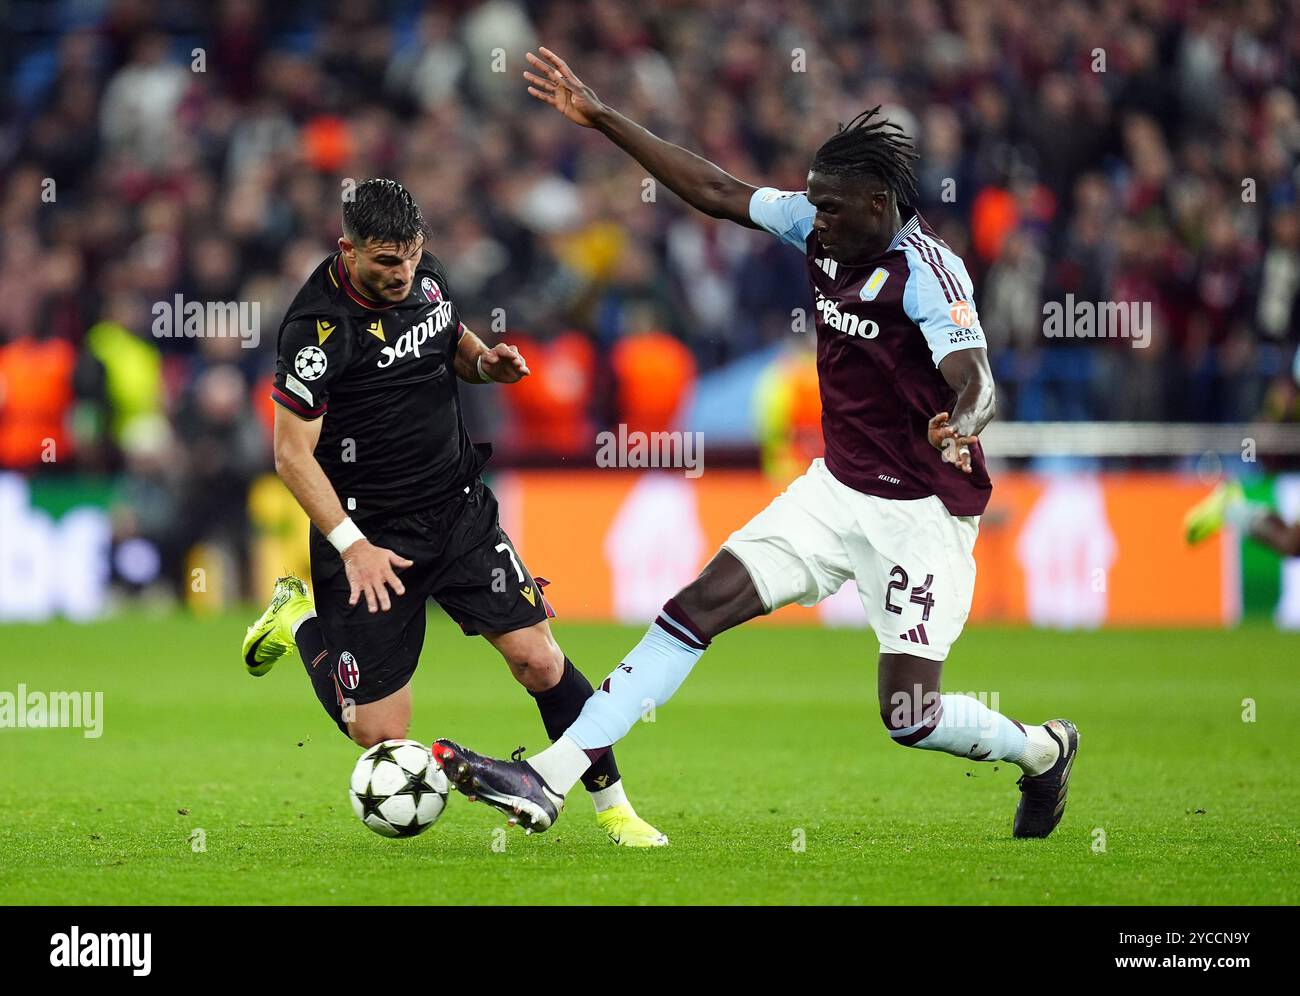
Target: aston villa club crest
[
  {"x": 348, "y": 671},
  {"x": 430, "y": 289},
  {"x": 873, "y": 284}
]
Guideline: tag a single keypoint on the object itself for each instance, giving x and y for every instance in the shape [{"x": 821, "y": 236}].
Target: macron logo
[{"x": 95, "y": 950}]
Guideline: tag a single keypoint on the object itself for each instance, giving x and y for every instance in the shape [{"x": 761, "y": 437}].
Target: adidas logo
[
  {"x": 916, "y": 635},
  {"x": 829, "y": 267}
]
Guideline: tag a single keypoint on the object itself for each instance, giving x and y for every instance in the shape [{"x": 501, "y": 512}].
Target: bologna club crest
[
  {"x": 430, "y": 289},
  {"x": 348, "y": 671}
]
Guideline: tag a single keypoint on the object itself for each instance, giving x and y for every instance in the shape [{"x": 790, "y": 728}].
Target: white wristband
[
  {"x": 481, "y": 375},
  {"x": 344, "y": 535}
]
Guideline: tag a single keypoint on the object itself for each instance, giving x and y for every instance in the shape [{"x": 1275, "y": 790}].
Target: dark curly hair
[{"x": 383, "y": 211}]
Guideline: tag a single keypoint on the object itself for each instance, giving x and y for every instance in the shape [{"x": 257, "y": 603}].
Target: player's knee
[
  {"x": 906, "y": 715},
  {"x": 889, "y": 718},
  {"x": 903, "y": 733},
  {"x": 537, "y": 666},
  {"x": 896, "y": 710},
  {"x": 894, "y": 726}
]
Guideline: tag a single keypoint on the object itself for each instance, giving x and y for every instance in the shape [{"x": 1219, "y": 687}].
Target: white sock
[
  {"x": 964, "y": 727},
  {"x": 608, "y": 798},
  {"x": 561, "y": 764},
  {"x": 1040, "y": 753}
]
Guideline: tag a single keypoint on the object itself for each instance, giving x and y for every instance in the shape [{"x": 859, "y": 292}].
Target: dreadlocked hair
[{"x": 866, "y": 147}]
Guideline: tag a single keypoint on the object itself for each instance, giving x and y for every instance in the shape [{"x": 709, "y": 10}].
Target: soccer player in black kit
[{"x": 370, "y": 439}]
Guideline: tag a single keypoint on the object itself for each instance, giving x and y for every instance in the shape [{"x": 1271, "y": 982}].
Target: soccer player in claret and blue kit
[
  {"x": 370, "y": 439},
  {"x": 895, "y": 504}
]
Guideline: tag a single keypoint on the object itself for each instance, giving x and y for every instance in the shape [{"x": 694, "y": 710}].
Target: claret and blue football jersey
[{"x": 883, "y": 327}]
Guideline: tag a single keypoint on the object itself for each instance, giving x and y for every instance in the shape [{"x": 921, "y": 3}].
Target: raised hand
[
  {"x": 556, "y": 84},
  {"x": 504, "y": 364}
]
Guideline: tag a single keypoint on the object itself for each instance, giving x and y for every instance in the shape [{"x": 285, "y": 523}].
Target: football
[{"x": 397, "y": 790}]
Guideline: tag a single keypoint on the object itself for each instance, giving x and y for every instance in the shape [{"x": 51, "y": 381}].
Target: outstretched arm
[{"x": 697, "y": 181}]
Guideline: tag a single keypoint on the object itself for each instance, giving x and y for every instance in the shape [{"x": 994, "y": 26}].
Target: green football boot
[
  {"x": 271, "y": 637},
  {"x": 624, "y": 828},
  {"x": 1207, "y": 516}
]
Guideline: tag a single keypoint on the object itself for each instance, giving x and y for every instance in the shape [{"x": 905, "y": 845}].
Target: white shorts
[{"x": 913, "y": 561}]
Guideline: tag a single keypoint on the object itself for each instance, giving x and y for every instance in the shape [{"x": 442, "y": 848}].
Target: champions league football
[{"x": 396, "y": 790}]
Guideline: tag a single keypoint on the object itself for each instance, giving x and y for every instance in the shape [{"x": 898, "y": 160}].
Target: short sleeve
[
  {"x": 787, "y": 214},
  {"x": 308, "y": 358},
  {"x": 940, "y": 298}
]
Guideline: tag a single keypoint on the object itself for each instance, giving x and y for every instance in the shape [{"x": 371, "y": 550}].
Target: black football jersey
[{"x": 381, "y": 376}]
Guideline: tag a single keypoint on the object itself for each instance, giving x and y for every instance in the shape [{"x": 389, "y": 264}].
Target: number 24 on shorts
[{"x": 921, "y": 594}]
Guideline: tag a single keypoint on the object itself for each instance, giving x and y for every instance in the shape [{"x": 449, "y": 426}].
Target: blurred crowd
[{"x": 1117, "y": 150}]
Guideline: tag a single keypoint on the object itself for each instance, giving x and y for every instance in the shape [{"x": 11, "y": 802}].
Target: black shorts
[{"x": 462, "y": 559}]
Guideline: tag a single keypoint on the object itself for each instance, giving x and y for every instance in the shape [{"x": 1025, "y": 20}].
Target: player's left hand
[
  {"x": 503, "y": 364},
  {"x": 954, "y": 448}
]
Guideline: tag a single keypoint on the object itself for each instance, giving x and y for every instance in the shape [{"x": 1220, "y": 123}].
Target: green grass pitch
[{"x": 773, "y": 742}]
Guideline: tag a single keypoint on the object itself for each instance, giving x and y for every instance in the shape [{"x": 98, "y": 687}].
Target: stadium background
[
  {"x": 154, "y": 150},
  {"x": 140, "y": 524}
]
